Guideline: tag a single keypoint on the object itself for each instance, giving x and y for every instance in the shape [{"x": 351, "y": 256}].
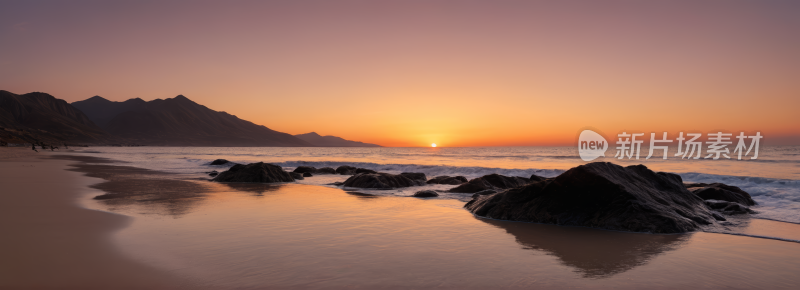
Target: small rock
[
  {"x": 307, "y": 174},
  {"x": 219, "y": 162},
  {"x": 426, "y": 193},
  {"x": 444, "y": 179},
  {"x": 304, "y": 169},
  {"x": 346, "y": 170}
]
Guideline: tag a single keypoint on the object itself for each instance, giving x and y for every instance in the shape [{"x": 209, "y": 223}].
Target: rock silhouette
[
  {"x": 602, "y": 195},
  {"x": 254, "y": 172},
  {"x": 426, "y": 193}
]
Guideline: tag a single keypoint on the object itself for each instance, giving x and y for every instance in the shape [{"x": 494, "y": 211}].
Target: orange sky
[{"x": 411, "y": 73}]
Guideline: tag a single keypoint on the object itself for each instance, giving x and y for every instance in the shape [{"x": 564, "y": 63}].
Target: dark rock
[
  {"x": 325, "y": 170},
  {"x": 364, "y": 170},
  {"x": 212, "y": 173},
  {"x": 484, "y": 192},
  {"x": 307, "y": 174},
  {"x": 346, "y": 170},
  {"x": 444, "y": 179},
  {"x": 255, "y": 172},
  {"x": 304, "y": 169},
  {"x": 426, "y": 193},
  {"x": 491, "y": 181},
  {"x": 719, "y": 191},
  {"x": 602, "y": 195},
  {"x": 219, "y": 162},
  {"x": 728, "y": 207},
  {"x": 380, "y": 180},
  {"x": 296, "y": 176},
  {"x": 415, "y": 176}
]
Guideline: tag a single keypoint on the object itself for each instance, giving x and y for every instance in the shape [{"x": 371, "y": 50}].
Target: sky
[{"x": 411, "y": 73}]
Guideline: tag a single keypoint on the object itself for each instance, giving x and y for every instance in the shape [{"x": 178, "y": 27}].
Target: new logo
[{"x": 591, "y": 145}]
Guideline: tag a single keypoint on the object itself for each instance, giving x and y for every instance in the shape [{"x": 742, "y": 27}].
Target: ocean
[{"x": 773, "y": 179}]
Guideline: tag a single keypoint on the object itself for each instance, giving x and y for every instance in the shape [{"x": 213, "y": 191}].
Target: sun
[{"x": 433, "y": 144}]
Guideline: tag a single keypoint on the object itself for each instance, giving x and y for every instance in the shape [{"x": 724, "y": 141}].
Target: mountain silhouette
[
  {"x": 331, "y": 141},
  {"x": 40, "y": 117},
  {"x": 179, "y": 122}
]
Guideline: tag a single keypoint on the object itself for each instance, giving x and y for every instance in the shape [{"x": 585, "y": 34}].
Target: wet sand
[{"x": 50, "y": 242}]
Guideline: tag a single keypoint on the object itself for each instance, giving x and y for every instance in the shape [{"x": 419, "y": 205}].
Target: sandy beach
[
  {"x": 51, "y": 242},
  {"x": 159, "y": 230}
]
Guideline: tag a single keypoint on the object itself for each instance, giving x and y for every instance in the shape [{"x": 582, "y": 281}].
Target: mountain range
[
  {"x": 39, "y": 117},
  {"x": 331, "y": 141}
]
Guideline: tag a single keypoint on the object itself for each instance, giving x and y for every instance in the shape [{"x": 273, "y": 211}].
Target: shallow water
[
  {"x": 313, "y": 237},
  {"x": 773, "y": 179}
]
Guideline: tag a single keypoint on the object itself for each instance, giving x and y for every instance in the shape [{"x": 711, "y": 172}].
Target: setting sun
[{"x": 433, "y": 144}]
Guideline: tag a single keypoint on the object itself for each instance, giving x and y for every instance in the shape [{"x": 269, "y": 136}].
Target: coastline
[{"x": 51, "y": 241}]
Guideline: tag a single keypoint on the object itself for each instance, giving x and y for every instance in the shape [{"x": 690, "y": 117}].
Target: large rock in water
[
  {"x": 254, "y": 172},
  {"x": 380, "y": 181},
  {"x": 602, "y": 195},
  {"x": 491, "y": 181},
  {"x": 719, "y": 191}
]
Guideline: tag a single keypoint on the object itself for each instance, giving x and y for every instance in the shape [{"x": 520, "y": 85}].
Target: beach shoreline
[{"x": 52, "y": 241}]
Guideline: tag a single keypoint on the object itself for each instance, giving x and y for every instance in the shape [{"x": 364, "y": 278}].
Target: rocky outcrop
[
  {"x": 426, "y": 193},
  {"x": 719, "y": 191},
  {"x": 380, "y": 181},
  {"x": 325, "y": 170},
  {"x": 307, "y": 174},
  {"x": 219, "y": 162},
  {"x": 346, "y": 170},
  {"x": 491, "y": 181},
  {"x": 255, "y": 172},
  {"x": 602, "y": 195},
  {"x": 444, "y": 179},
  {"x": 415, "y": 176},
  {"x": 296, "y": 176}
]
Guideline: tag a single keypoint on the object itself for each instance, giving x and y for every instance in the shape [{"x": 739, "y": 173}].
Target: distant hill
[
  {"x": 40, "y": 117},
  {"x": 331, "y": 141},
  {"x": 179, "y": 122}
]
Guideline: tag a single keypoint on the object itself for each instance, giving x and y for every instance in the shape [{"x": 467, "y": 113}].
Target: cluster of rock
[{"x": 600, "y": 194}]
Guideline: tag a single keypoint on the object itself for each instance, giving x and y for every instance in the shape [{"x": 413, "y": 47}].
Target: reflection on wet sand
[
  {"x": 255, "y": 188},
  {"x": 591, "y": 252}
]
